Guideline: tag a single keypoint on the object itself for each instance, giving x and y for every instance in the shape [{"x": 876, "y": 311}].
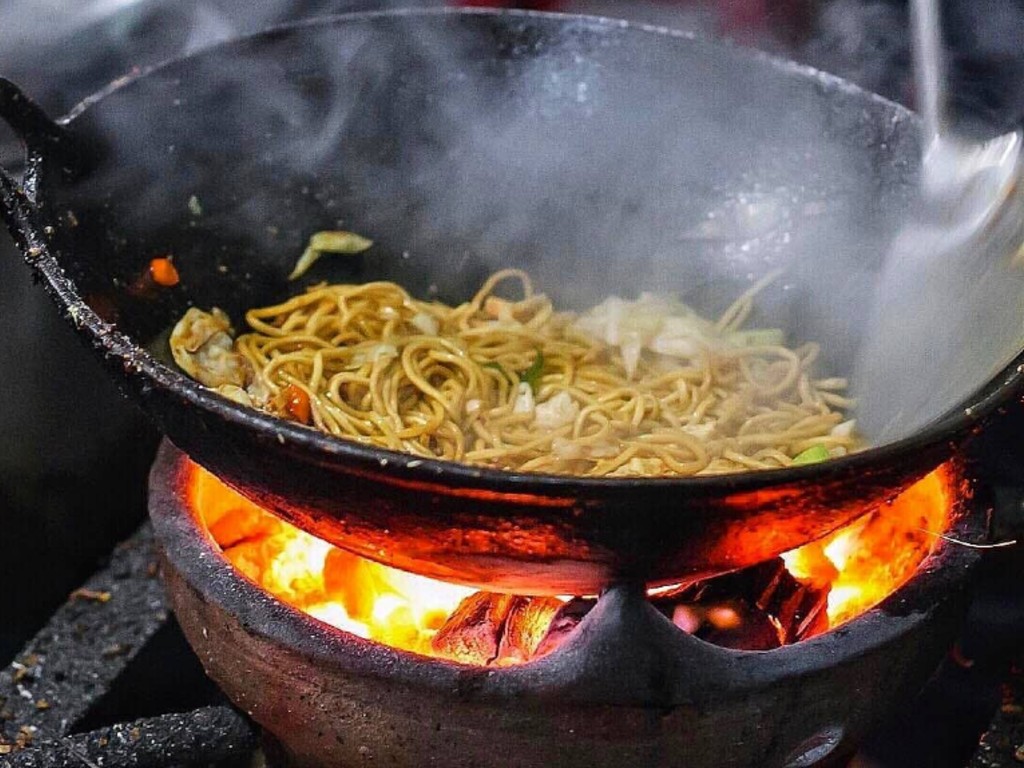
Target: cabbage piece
[
  {"x": 235, "y": 394},
  {"x": 556, "y": 412},
  {"x": 532, "y": 374},
  {"x": 373, "y": 353},
  {"x": 524, "y": 402},
  {"x": 845, "y": 429},
  {"x": 652, "y": 322},
  {"x": 328, "y": 242},
  {"x": 683, "y": 336},
  {"x": 426, "y": 324},
  {"x": 202, "y": 346},
  {"x": 703, "y": 431}
]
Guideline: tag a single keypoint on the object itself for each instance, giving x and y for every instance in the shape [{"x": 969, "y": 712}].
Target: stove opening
[{"x": 803, "y": 593}]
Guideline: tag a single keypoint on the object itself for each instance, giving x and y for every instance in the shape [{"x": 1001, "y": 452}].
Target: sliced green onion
[
  {"x": 812, "y": 455},
  {"x": 532, "y": 374}
]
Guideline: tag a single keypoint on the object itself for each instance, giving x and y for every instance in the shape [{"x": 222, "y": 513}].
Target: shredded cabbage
[
  {"x": 374, "y": 353},
  {"x": 665, "y": 326},
  {"x": 556, "y": 411},
  {"x": 524, "y": 399},
  {"x": 425, "y": 323}
]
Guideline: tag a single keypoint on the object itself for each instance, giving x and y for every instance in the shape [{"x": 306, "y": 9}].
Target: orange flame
[
  {"x": 871, "y": 558},
  {"x": 860, "y": 564},
  {"x": 341, "y": 589}
]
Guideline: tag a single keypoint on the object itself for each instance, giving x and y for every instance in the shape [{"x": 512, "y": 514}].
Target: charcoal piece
[
  {"x": 472, "y": 634},
  {"x": 799, "y": 609},
  {"x": 729, "y": 624},
  {"x": 528, "y": 622},
  {"x": 241, "y": 523},
  {"x": 757, "y": 608},
  {"x": 680, "y": 593},
  {"x": 563, "y": 624}
]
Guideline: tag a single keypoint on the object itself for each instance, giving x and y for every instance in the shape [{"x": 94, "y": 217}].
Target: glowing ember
[
  {"x": 874, "y": 556},
  {"x": 857, "y": 567},
  {"x": 341, "y": 589}
]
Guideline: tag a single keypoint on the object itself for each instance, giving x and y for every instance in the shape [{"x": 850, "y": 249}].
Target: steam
[
  {"x": 566, "y": 155},
  {"x": 600, "y": 165},
  {"x": 60, "y": 52},
  {"x": 948, "y": 308},
  {"x": 864, "y": 41},
  {"x": 25, "y": 23},
  {"x": 604, "y": 163}
]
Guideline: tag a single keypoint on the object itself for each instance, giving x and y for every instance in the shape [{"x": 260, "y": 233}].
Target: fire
[
  {"x": 875, "y": 555},
  {"x": 858, "y": 566},
  {"x": 341, "y": 589}
]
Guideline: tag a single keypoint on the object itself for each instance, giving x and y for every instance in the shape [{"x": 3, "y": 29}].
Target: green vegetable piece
[
  {"x": 328, "y": 242},
  {"x": 813, "y": 455},
  {"x": 532, "y": 374}
]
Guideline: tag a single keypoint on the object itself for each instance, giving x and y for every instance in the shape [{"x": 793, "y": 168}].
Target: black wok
[{"x": 602, "y": 157}]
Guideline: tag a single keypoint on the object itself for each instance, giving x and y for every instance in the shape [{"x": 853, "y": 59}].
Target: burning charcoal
[
  {"x": 679, "y": 593},
  {"x": 748, "y": 584},
  {"x": 566, "y": 620},
  {"x": 472, "y": 634},
  {"x": 758, "y": 608},
  {"x": 528, "y": 622},
  {"x": 798, "y": 608},
  {"x": 240, "y": 524},
  {"x": 729, "y": 624},
  {"x": 249, "y": 558},
  {"x": 352, "y": 581}
]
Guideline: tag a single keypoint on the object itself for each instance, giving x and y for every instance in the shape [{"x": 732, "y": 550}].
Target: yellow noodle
[{"x": 385, "y": 369}]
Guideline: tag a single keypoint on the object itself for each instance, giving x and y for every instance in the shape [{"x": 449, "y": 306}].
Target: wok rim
[{"x": 966, "y": 417}]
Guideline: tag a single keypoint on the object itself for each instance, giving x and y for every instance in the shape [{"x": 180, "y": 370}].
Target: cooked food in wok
[{"x": 643, "y": 387}]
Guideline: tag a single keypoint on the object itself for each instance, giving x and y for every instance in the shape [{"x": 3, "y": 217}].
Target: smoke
[
  {"x": 987, "y": 80},
  {"x": 28, "y": 23},
  {"x": 948, "y": 307},
  {"x": 60, "y": 52},
  {"x": 602, "y": 167},
  {"x": 602, "y": 162},
  {"x": 864, "y": 41}
]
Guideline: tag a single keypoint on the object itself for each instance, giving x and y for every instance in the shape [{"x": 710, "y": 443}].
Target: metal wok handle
[
  {"x": 45, "y": 141},
  {"x": 16, "y": 211}
]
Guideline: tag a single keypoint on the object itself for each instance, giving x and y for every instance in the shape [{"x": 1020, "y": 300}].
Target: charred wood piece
[
  {"x": 472, "y": 634},
  {"x": 757, "y": 608},
  {"x": 528, "y": 624},
  {"x": 495, "y": 629},
  {"x": 564, "y": 624}
]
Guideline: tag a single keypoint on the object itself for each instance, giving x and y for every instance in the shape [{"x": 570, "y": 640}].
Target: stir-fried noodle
[{"x": 643, "y": 387}]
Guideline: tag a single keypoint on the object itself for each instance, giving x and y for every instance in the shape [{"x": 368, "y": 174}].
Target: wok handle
[
  {"x": 46, "y": 142},
  {"x": 44, "y": 137},
  {"x": 17, "y": 212}
]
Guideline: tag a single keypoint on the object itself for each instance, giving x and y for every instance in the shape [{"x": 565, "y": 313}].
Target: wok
[{"x": 603, "y": 157}]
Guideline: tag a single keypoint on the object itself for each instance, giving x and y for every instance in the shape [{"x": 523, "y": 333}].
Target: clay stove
[{"x": 342, "y": 661}]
